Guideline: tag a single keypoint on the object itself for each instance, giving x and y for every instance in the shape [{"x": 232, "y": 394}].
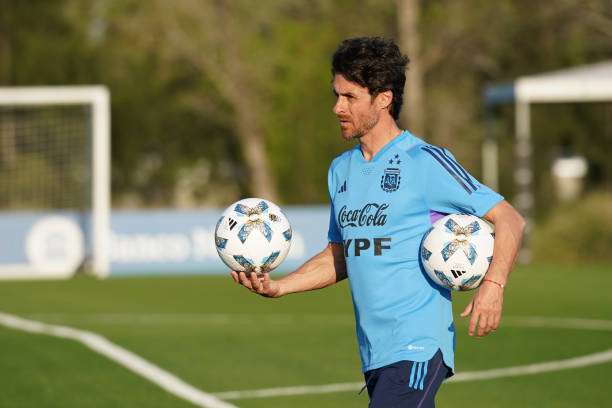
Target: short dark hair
[{"x": 375, "y": 63}]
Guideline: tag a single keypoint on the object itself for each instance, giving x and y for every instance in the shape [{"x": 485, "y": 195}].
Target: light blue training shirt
[{"x": 380, "y": 210}]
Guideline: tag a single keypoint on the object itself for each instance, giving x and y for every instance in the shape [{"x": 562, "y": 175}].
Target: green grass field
[{"x": 219, "y": 337}]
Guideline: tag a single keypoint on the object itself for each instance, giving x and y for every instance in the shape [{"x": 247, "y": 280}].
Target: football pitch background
[{"x": 218, "y": 337}]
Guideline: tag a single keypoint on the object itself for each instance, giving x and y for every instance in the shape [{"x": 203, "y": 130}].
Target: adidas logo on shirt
[{"x": 342, "y": 188}]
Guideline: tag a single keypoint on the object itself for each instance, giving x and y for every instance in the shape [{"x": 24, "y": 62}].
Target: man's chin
[{"x": 350, "y": 135}]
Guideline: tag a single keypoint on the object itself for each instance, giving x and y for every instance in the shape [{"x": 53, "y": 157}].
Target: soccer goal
[{"x": 54, "y": 181}]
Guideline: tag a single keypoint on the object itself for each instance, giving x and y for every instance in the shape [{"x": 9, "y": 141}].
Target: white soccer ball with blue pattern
[
  {"x": 457, "y": 251},
  {"x": 253, "y": 235}
]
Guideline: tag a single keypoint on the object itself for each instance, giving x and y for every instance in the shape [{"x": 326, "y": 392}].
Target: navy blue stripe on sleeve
[
  {"x": 457, "y": 167},
  {"x": 440, "y": 159}
]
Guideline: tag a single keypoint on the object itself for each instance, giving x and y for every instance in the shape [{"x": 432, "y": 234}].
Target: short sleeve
[
  {"x": 449, "y": 188},
  {"x": 333, "y": 232}
]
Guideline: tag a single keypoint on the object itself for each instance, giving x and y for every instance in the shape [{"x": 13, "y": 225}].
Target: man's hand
[
  {"x": 262, "y": 285},
  {"x": 485, "y": 308},
  {"x": 324, "y": 269}
]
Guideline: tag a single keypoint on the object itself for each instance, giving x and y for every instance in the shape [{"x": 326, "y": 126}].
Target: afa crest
[{"x": 390, "y": 181}]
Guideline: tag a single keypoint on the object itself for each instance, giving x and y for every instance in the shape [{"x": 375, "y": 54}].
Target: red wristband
[{"x": 501, "y": 285}]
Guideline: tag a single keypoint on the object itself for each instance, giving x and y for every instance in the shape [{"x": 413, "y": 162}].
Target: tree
[
  {"x": 216, "y": 38},
  {"x": 409, "y": 38}
]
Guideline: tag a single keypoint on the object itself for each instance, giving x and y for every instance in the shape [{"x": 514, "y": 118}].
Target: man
[{"x": 384, "y": 193}]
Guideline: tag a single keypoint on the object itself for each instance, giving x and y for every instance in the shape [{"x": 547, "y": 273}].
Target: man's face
[{"x": 354, "y": 108}]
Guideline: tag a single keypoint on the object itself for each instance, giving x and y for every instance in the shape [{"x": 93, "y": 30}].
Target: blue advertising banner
[
  {"x": 41, "y": 245},
  {"x": 183, "y": 241},
  {"x": 142, "y": 242}
]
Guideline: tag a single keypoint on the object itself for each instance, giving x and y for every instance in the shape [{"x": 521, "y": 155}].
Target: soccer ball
[
  {"x": 253, "y": 235},
  {"x": 457, "y": 251}
]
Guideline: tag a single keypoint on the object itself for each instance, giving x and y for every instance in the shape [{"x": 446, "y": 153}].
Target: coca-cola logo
[{"x": 372, "y": 214}]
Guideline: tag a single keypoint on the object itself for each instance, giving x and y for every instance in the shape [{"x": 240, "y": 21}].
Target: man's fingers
[
  {"x": 485, "y": 310},
  {"x": 483, "y": 322},
  {"x": 255, "y": 283},
  {"x": 235, "y": 276},
  {"x": 468, "y": 309},
  {"x": 265, "y": 281},
  {"x": 473, "y": 323},
  {"x": 496, "y": 321},
  {"x": 245, "y": 281}
]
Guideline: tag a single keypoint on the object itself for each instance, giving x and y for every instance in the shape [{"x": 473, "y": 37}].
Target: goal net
[{"x": 54, "y": 181}]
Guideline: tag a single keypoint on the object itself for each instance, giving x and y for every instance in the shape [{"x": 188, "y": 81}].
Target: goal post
[{"x": 56, "y": 128}]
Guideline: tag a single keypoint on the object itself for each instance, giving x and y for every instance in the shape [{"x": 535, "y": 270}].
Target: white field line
[
  {"x": 529, "y": 369},
  {"x": 557, "y": 323},
  {"x": 289, "y": 319},
  {"x": 226, "y": 318},
  {"x": 123, "y": 357},
  {"x": 289, "y": 391},
  {"x": 538, "y": 368}
]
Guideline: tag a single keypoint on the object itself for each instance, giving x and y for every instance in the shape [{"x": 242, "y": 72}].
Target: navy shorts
[{"x": 406, "y": 384}]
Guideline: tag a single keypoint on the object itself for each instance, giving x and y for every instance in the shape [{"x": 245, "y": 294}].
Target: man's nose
[{"x": 338, "y": 108}]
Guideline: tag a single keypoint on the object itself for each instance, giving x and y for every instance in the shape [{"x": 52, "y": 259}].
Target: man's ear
[{"x": 384, "y": 99}]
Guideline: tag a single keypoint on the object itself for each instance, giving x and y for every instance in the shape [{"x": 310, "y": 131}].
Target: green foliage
[
  {"x": 39, "y": 45},
  {"x": 302, "y": 133},
  {"x": 159, "y": 132},
  {"x": 176, "y": 132},
  {"x": 578, "y": 233}
]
